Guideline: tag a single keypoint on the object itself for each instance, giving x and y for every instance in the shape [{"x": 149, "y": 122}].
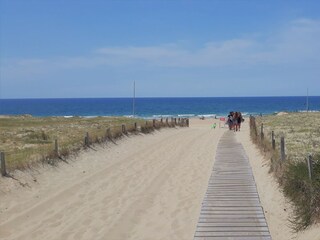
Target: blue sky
[{"x": 170, "y": 48}]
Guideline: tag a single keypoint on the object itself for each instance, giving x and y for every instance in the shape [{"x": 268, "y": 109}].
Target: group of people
[{"x": 234, "y": 121}]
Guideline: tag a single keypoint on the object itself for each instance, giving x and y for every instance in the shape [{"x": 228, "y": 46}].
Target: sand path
[{"x": 145, "y": 187}]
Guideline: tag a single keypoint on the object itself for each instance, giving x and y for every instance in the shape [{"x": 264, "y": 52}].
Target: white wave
[
  {"x": 207, "y": 115},
  {"x": 220, "y": 116},
  {"x": 186, "y": 115},
  {"x": 313, "y": 111},
  {"x": 90, "y": 116},
  {"x": 162, "y": 116},
  {"x": 147, "y": 118}
]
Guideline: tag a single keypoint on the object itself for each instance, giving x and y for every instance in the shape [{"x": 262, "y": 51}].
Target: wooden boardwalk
[{"x": 231, "y": 208}]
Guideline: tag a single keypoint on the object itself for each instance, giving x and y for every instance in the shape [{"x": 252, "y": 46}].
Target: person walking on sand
[
  {"x": 240, "y": 119},
  {"x": 230, "y": 120},
  {"x": 235, "y": 121}
]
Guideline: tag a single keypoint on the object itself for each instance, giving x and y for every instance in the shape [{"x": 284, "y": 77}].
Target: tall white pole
[
  {"x": 134, "y": 97},
  {"x": 307, "y": 100}
]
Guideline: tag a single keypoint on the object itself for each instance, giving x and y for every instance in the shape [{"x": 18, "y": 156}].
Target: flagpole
[
  {"x": 134, "y": 97},
  {"x": 307, "y": 99}
]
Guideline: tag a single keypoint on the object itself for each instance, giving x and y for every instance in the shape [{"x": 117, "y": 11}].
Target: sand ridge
[{"x": 145, "y": 187}]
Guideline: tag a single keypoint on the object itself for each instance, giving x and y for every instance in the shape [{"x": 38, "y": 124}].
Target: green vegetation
[
  {"x": 302, "y": 138},
  {"x": 27, "y": 140}
]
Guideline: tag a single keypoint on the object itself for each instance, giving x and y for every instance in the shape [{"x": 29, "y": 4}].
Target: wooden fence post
[
  {"x": 56, "y": 147},
  {"x": 108, "y": 133},
  {"x": 124, "y": 130},
  {"x": 254, "y": 126},
  {"x": 3, "y": 164},
  {"x": 167, "y": 122},
  {"x": 188, "y": 122},
  {"x": 282, "y": 147},
  {"x": 273, "y": 141},
  {"x": 310, "y": 166},
  {"x": 154, "y": 123},
  {"x": 175, "y": 121},
  {"x": 86, "y": 139},
  {"x": 135, "y": 126},
  {"x": 261, "y": 133}
]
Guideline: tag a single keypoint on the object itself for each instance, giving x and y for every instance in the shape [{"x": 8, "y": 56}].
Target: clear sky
[{"x": 171, "y": 48}]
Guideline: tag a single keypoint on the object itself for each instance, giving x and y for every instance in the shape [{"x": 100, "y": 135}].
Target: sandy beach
[{"x": 143, "y": 187}]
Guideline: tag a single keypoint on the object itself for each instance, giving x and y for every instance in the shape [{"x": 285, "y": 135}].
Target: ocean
[{"x": 156, "y": 107}]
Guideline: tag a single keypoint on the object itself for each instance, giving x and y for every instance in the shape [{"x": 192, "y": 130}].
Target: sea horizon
[
  {"x": 39, "y": 98},
  {"x": 155, "y": 107}
]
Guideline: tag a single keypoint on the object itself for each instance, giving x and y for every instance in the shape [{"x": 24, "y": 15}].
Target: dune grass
[
  {"x": 27, "y": 140},
  {"x": 302, "y": 138},
  {"x": 300, "y": 130}
]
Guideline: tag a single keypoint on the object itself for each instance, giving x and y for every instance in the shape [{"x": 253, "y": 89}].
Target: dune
[
  {"x": 276, "y": 206},
  {"x": 143, "y": 187}
]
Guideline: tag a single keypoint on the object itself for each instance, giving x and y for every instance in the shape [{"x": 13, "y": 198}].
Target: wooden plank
[
  {"x": 226, "y": 193},
  {"x": 234, "y": 224},
  {"x": 232, "y": 229},
  {"x": 229, "y": 221},
  {"x": 231, "y": 186},
  {"x": 234, "y": 238},
  {"x": 233, "y": 234},
  {"x": 231, "y": 181},
  {"x": 248, "y": 202},
  {"x": 233, "y": 197},
  {"x": 237, "y": 194},
  {"x": 234, "y": 212},
  {"x": 229, "y": 191},
  {"x": 232, "y": 208},
  {"x": 228, "y": 200},
  {"x": 238, "y": 216},
  {"x": 230, "y": 204}
]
